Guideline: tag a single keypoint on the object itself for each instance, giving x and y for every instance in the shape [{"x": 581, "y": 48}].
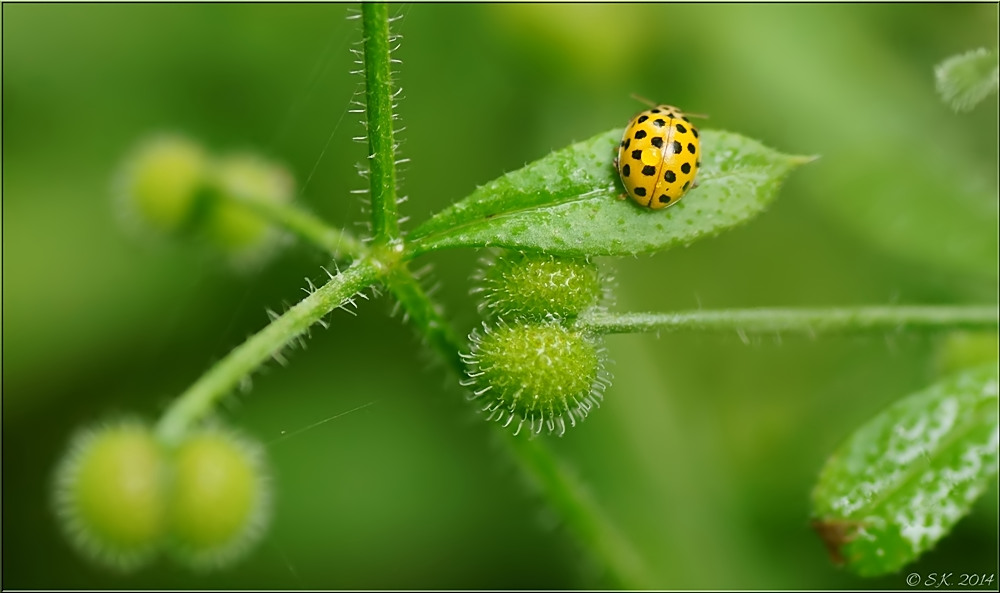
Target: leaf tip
[{"x": 804, "y": 159}]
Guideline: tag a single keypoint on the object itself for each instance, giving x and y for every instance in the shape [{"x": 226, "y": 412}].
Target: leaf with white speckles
[
  {"x": 567, "y": 202},
  {"x": 902, "y": 481}
]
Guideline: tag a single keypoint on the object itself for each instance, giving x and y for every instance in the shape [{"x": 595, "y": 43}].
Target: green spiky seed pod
[
  {"x": 536, "y": 286},
  {"x": 109, "y": 494},
  {"x": 220, "y": 500},
  {"x": 159, "y": 186},
  {"x": 543, "y": 375}
]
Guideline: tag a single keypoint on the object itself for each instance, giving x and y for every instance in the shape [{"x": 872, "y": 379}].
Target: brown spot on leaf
[{"x": 836, "y": 533}]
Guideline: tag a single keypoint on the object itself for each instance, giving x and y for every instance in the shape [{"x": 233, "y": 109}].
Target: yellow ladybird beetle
[{"x": 659, "y": 157}]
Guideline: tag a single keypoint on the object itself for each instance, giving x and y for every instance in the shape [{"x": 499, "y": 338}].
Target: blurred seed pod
[
  {"x": 109, "y": 494},
  {"x": 543, "y": 375},
  {"x": 229, "y": 222},
  {"x": 159, "y": 186},
  {"x": 170, "y": 187},
  {"x": 220, "y": 498}
]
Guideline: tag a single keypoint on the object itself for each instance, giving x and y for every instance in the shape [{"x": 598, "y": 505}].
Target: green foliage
[
  {"x": 902, "y": 481},
  {"x": 566, "y": 202},
  {"x": 963, "y": 81},
  {"x": 546, "y": 372}
]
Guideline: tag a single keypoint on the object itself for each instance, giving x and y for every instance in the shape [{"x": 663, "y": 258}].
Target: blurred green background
[{"x": 706, "y": 448}]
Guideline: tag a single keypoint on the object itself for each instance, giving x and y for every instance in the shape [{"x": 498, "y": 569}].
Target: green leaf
[
  {"x": 567, "y": 203},
  {"x": 903, "y": 480},
  {"x": 965, "y": 80}
]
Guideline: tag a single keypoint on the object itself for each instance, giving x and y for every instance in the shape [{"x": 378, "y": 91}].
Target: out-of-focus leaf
[
  {"x": 965, "y": 349},
  {"x": 902, "y": 481},
  {"x": 567, "y": 202},
  {"x": 965, "y": 80}
]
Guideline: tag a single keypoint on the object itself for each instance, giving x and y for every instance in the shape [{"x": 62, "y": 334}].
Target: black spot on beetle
[
  {"x": 637, "y": 153},
  {"x": 659, "y": 123},
  {"x": 626, "y": 170},
  {"x": 664, "y": 199},
  {"x": 691, "y": 148},
  {"x": 626, "y": 142},
  {"x": 640, "y": 191},
  {"x": 681, "y": 129},
  {"x": 677, "y": 148},
  {"x": 649, "y": 170},
  {"x": 669, "y": 176},
  {"x": 642, "y": 118},
  {"x": 640, "y": 134},
  {"x": 686, "y": 184},
  {"x": 695, "y": 132},
  {"x": 656, "y": 141},
  {"x": 686, "y": 168}
]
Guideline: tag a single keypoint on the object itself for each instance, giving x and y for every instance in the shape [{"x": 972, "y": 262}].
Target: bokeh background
[{"x": 706, "y": 448}]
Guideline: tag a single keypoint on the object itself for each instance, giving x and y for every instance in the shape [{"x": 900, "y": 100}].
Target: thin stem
[
  {"x": 303, "y": 224},
  {"x": 425, "y": 315},
  {"x": 803, "y": 321},
  {"x": 221, "y": 379},
  {"x": 572, "y": 499},
  {"x": 381, "y": 148}
]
